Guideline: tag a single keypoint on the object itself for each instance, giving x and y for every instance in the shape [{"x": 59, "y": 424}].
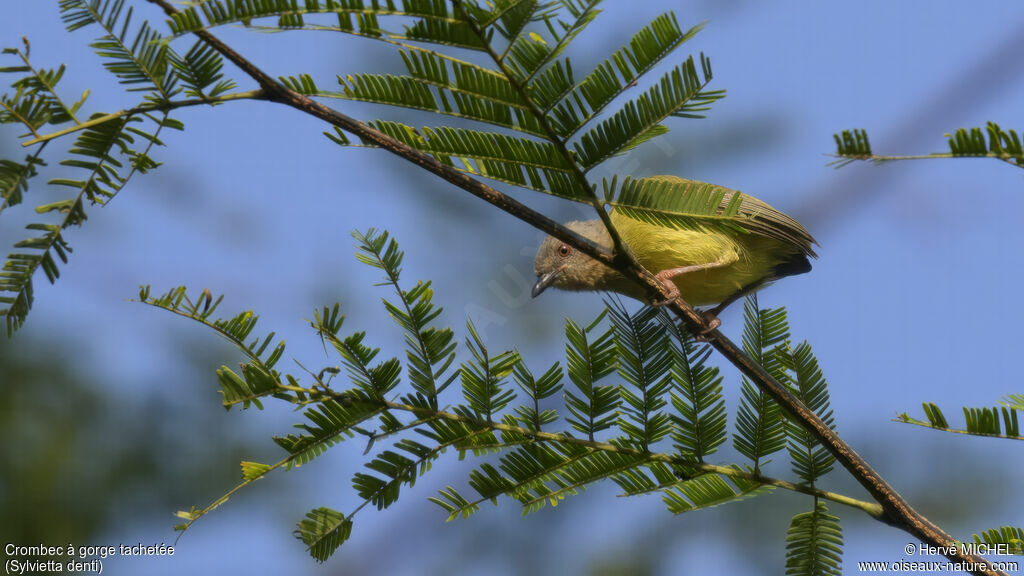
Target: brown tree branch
[{"x": 897, "y": 511}]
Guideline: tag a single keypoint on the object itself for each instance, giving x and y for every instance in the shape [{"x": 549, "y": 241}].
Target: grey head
[{"x": 561, "y": 266}]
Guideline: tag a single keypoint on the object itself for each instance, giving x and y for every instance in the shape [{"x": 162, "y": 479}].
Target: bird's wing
[
  {"x": 688, "y": 200},
  {"x": 767, "y": 221}
]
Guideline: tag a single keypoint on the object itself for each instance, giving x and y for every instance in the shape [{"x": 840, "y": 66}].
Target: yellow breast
[{"x": 747, "y": 258}]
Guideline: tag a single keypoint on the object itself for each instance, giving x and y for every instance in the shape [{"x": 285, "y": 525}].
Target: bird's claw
[
  {"x": 710, "y": 318},
  {"x": 665, "y": 302},
  {"x": 712, "y": 322},
  {"x": 670, "y": 287}
]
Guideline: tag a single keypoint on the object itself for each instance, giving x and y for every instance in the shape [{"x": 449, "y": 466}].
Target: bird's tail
[{"x": 796, "y": 264}]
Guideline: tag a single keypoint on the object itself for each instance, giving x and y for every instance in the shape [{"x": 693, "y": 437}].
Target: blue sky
[{"x": 912, "y": 299}]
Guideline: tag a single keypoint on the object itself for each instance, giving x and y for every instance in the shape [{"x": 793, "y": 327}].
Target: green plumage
[{"x": 669, "y": 222}]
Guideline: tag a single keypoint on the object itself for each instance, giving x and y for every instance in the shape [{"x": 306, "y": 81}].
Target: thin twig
[
  {"x": 844, "y": 159},
  {"x": 904, "y": 419},
  {"x": 157, "y": 107}
]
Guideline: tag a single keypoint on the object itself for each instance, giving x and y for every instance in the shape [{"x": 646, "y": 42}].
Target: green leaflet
[
  {"x": 708, "y": 491},
  {"x": 431, "y": 350},
  {"x": 639, "y": 119},
  {"x": 613, "y": 76},
  {"x": 999, "y": 421},
  {"x": 700, "y": 418},
  {"x": 759, "y": 420},
  {"x": 323, "y": 531},
  {"x": 642, "y": 346},
  {"x": 483, "y": 377},
  {"x": 810, "y": 459},
  {"x": 142, "y": 61},
  {"x": 814, "y": 544},
  {"x": 588, "y": 360},
  {"x": 1008, "y": 538}
]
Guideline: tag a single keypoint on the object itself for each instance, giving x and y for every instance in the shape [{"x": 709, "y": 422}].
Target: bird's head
[{"x": 559, "y": 265}]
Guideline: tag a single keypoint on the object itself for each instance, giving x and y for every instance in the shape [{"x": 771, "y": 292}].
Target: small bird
[{"x": 703, "y": 266}]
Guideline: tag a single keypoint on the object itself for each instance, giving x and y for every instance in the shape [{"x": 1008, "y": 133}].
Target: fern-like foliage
[
  {"x": 852, "y": 145},
  {"x": 199, "y": 70},
  {"x": 33, "y": 104},
  {"x": 519, "y": 161},
  {"x": 1014, "y": 401},
  {"x": 258, "y": 377},
  {"x": 108, "y": 149},
  {"x": 759, "y": 421},
  {"x": 329, "y": 422},
  {"x": 680, "y": 204},
  {"x": 323, "y": 530},
  {"x": 427, "y": 21},
  {"x": 536, "y": 475},
  {"x": 1004, "y": 540},
  {"x": 483, "y": 378},
  {"x": 529, "y": 88},
  {"x": 375, "y": 381},
  {"x": 624, "y": 367},
  {"x": 140, "y": 60},
  {"x": 392, "y": 470},
  {"x": 539, "y": 124},
  {"x": 588, "y": 360},
  {"x": 509, "y": 17},
  {"x": 674, "y": 202},
  {"x": 14, "y": 177},
  {"x": 431, "y": 349},
  {"x": 36, "y": 101},
  {"x": 100, "y": 155},
  {"x": 988, "y": 142},
  {"x": 614, "y": 76},
  {"x": 537, "y": 389},
  {"x": 997, "y": 421},
  {"x": 700, "y": 423},
  {"x": 639, "y": 120},
  {"x": 353, "y": 16},
  {"x": 685, "y": 491},
  {"x": 810, "y": 459},
  {"x": 814, "y": 544},
  {"x": 644, "y": 360},
  {"x": 708, "y": 491},
  {"x": 1000, "y": 143},
  {"x": 463, "y": 100}
]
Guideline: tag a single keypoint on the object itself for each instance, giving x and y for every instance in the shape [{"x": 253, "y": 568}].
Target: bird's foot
[
  {"x": 670, "y": 287},
  {"x": 710, "y": 316},
  {"x": 712, "y": 322}
]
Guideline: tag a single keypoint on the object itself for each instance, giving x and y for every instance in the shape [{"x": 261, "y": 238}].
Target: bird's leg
[
  {"x": 711, "y": 316},
  {"x": 666, "y": 276}
]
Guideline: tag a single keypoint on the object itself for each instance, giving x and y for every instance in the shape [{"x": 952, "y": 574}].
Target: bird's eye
[{"x": 564, "y": 250}]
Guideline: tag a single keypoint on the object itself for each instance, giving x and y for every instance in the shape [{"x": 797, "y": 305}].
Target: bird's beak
[{"x": 545, "y": 280}]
